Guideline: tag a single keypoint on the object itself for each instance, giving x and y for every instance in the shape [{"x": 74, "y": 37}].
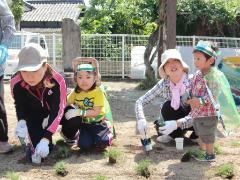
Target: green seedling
[
  {"x": 12, "y": 175},
  {"x": 142, "y": 168},
  {"x": 195, "y": 153},
  {"x": 62, "y": 152},
  {"x": 225, "y": 171},
  {"x": 100, "y": 177},
  {"x": 60, "y": 168},
  {"x": 217, "y": 149},
  {"x": 235, "y": 143},
  {"x": 113, "y": 155}
]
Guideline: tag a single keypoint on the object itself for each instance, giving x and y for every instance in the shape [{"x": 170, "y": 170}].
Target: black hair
[
  {"x": 77, "y": 89},
  {"x": 213, "y": 47}
]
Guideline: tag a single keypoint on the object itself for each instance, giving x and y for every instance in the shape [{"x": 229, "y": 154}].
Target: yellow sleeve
[
  {"x": 99, "y": 98},
  {"x": 71, "y": 98}
]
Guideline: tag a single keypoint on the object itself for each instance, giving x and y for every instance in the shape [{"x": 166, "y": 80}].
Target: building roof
[{"x": 52, "y": 12}]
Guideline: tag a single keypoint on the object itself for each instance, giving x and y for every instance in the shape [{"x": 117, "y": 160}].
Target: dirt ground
[{"x": 165, "y": 159}]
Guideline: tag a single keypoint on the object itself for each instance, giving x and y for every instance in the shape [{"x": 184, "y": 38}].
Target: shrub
[
  {"x": 113, "y": 155},
  {"x": 100, "y": 177},
  {"x": 142, "y": 168},
  {"x": 60, "y": 168},
  {"x": 225, "y": 170},
  {"x": 12, "y": 175}
]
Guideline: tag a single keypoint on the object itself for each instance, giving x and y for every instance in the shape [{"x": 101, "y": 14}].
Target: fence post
[
  {"x": 123, "y": 54},
  {"x": 193, "y": 41},
  {"x": 54, "y": 49}
]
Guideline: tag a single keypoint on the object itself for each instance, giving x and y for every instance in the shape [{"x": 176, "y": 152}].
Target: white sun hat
[{"x": 171, "y": 54}]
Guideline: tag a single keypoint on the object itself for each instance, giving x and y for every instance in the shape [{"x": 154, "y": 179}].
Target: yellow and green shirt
[{"x": 88, "y": 100}]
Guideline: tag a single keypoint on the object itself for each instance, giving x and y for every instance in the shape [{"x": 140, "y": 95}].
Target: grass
[
  {"x": 225, "y": 170},
  {"x": 197, "y": 153},
  {"x": 60, "y": 168},
  {"x": 100, "y": 177},
  {"x": 12, "y": 175},
  {"x": 113, "y": 154},
  {"x": 217, "y": 149},
  {"x": 142, "y": 168},
  {"x": 63, "y": 152},
  {"x": 235, "y": 143}
]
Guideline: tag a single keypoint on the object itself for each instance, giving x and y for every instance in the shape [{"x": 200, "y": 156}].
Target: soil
[{"x": 165, "y": 159}]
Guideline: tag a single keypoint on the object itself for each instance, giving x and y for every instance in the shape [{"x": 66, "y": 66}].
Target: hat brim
[
  {"x": 162, "y": 72},
  {"x": 29, "y": 67}
]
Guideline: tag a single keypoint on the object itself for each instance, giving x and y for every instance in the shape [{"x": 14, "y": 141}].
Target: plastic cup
[{"x": 179, "y": 143}]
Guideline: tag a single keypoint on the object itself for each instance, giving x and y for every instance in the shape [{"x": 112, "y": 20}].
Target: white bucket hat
[{"x": 171, "y": 54}]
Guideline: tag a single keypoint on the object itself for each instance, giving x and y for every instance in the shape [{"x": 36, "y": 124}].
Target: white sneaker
[{"x": 164, "y": 139}]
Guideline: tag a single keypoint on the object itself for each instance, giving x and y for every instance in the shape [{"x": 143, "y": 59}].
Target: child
[
  {"x": 39, "y": 93},
  {"x": 86, "y": 119},
  {"x": 204, "y": 97},
  {"x": 174, "y": 83}
]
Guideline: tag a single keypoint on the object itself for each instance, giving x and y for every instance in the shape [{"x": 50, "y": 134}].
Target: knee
[
  {"x": 104, "y": 140},
  {"x": 84, "y": 144}
]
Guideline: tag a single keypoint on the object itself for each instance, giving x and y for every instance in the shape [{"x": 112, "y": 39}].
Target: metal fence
[{"x": 114, "y": 51}]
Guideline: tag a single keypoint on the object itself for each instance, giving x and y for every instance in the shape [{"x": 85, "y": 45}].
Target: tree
[
  {"x": 17, "y": 10},
  {"x": 120, "y": 17},
  {"x": 208, "y": 18}
]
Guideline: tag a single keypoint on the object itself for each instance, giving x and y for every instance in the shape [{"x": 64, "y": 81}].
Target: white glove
[
  {"x": 169, "y": 127},
  {"x": 21, "y": 129},
  {"x": 42, "y": 148},
  {"x": 142, "y": 127},
  {"x": 71, "y": 113}
]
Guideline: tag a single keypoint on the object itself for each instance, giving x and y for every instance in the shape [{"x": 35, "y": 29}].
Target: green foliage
[
  {"x": 225, "y": 170},
  {"x": 235, "y": 143},
  {"x": 100, "y": 177},
  {"x": 60, "y": 168},
  {"x": 142, "y": 168},
  {"x": 202, "y": 17},
  {"x": 17, "y": 10},
  {"x": 12, "y": 175},
  {"x": 217, "y": 149},
  {"x": 120, "y": 17},
  {"x": 113, "y": 153},
  {"x": 197, "y": 153}
]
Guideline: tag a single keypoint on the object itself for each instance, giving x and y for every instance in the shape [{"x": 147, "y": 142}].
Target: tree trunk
[{"x": 152, "y": 41}]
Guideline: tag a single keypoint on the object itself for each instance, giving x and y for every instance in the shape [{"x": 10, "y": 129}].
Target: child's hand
[{"x": 194, "y": 102}]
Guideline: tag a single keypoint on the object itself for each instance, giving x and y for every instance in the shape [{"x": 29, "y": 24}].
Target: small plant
[
  {"x": 62, "y": 152},
  {"x": 100, "y": 177},
  {"x": 197, "y": 153},
  {"x": 226, "y": 170},
  {"x": 217, "y": 149},
  {"x": 143, "y": 168},
  {"x": 60, "y": 168},
  {"x": 113, "y": 155},
  {"x": 12, "y": 175},
  {"x": 235, "y": 143}
]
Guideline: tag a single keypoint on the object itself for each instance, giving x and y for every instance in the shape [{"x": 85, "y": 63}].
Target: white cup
[{"x": 179, "y": 143}]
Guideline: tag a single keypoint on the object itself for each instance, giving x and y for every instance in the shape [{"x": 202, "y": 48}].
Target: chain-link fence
[{"x": 113, "y": 51}]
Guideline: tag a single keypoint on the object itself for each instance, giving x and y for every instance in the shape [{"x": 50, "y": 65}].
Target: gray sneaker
[{"x": 5, "y": 147}]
